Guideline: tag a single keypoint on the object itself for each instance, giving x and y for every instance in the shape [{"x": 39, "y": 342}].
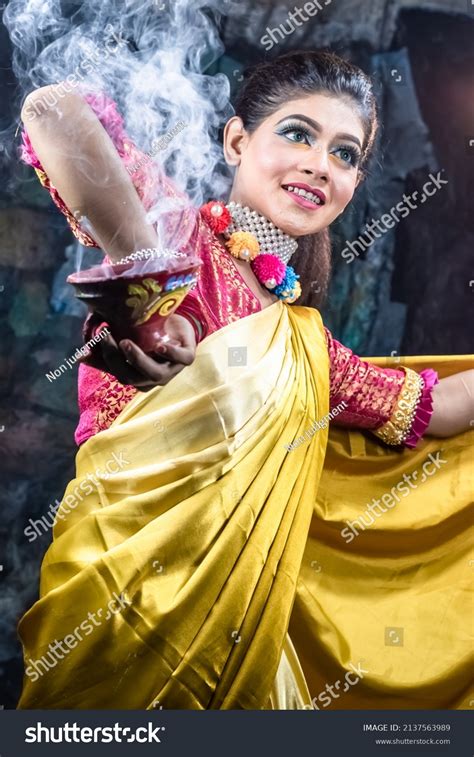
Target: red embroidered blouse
[{"x": 395, "y": 404}]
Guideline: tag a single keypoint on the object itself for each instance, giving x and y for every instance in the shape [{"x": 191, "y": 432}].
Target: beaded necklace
[{"x": 252, "y": 237}]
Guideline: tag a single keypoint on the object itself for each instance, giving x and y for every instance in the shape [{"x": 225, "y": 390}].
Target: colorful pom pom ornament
[
  {"x": 290, "y": 288},
  {"x": 290, "y": 295},
  {"x": 270, "y": 270},
  {"x": 243, "y": 245},
  {"x": 216, "y": 216}
]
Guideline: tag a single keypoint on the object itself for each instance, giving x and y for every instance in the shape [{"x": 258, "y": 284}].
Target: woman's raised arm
[{"x": 82, "y": 163}]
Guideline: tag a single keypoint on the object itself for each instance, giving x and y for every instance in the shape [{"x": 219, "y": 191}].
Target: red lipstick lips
[{"x": 305, "y": 196}]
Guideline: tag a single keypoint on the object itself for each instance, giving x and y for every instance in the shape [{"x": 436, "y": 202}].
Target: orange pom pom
[{"x": 243, "y": 245}]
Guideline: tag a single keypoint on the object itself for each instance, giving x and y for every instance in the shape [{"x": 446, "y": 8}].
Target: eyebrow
[{"x": 319, "y": 128}]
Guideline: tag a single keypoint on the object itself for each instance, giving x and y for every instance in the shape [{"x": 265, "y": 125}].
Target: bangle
[
  {"x": 397, "y": 428},
  {"x": 189, "y": 310},
  {"x": 148, "y": 253}
]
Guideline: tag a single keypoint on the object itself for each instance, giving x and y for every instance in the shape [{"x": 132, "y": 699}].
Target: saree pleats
[
  {"x": 388, "y": 595},
  {"x": 246, "y": 574},
  {"x": 201, "y": 533}
]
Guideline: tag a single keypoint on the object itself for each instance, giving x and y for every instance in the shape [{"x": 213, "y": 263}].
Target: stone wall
[{"x": 409, "y": 292}]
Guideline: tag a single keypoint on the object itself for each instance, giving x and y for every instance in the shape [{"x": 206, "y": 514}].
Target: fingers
[
  {"x": 147, "y": 366},
  {"x": 94, "y": 327},
  {"x": 177, "y": 354},
  {"x": 150, "y": 372},
  {"x": 131, "y": 366},
  {"x": 118, "y": 365},
  {"x": 94, "y": 359}
]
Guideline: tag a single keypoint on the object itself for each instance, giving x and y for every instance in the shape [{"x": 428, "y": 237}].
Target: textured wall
[{"x": 409, "y": 291}]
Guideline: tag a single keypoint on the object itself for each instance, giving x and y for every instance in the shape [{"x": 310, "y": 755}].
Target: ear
[{"x": 235, "y": 139}]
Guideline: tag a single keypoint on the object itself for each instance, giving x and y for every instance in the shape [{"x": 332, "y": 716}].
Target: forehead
[{"x": 331, "y": 112}]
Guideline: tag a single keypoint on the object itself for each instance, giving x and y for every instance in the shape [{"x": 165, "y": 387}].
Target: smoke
[{"x": 151, "y": 58}]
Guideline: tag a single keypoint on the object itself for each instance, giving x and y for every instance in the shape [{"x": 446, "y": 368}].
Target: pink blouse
[{"x": 395, "y": 404}]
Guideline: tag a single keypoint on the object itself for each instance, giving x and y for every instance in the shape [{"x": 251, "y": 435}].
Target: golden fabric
[
  {"x": 239, "y": 589},
  {"x": 398, "y": 598},
  {"x": 213, "y": 497}
]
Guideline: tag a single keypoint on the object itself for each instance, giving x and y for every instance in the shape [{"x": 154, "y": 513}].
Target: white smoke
[{"x": 149, "y": 56}]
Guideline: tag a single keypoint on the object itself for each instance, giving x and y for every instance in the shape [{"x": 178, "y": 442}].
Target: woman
[{"x": 225, "y": 530}]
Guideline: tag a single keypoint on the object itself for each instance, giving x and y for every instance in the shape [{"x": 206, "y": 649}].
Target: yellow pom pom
[
  {"x": 243, "y": 245},
  {"x": 291, "y": 295}
]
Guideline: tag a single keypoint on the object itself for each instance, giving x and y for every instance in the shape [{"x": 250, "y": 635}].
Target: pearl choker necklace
[
  {"x": 252, "y": 237},
  {"x": 272, "y": 240}
]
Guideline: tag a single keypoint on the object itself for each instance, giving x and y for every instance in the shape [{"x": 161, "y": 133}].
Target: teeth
[{"x": 303, "y": 193}]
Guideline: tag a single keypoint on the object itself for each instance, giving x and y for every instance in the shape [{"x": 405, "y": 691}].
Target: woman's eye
[
  {"x": 296, "y": 135},
  {"x": 299, "y": 136},
  {"x": 348, "y": 155}
]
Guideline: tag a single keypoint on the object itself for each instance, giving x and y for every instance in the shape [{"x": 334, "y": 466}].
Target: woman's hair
[{"x": 270, "y": 85}]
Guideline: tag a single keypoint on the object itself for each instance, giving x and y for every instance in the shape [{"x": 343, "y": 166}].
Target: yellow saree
[
  {"x": 396, "y": 600},
  {"x": 214, "y": 540}
]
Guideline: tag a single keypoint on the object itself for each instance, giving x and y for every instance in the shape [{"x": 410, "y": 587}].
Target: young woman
[{"x": 209, "y": 530}]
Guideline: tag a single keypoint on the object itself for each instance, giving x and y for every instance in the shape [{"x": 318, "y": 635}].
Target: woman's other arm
[
  {"x": 398, "y": 405},
  {"x": 84, "y": 166},
  {"x": 453, "y": 405}
]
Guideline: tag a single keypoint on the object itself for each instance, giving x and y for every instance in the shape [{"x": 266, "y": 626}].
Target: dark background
[{"x": 408, "y": 294}]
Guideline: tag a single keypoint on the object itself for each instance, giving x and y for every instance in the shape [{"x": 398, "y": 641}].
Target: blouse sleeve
[{"x": 395, "y": 404}]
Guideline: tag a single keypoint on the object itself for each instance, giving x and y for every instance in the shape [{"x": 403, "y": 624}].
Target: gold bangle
[{"x": 397, "y": 428}]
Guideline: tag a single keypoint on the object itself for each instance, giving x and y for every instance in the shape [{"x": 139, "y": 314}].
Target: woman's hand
[
  {"x": 130, "y": 365},
  {"x": 453, "y": 405}
]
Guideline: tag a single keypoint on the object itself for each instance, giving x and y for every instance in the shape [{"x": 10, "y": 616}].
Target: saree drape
[
  {"x": 395, "y": 602},
  {"x": 202, "y": 533},
  {"x": 239, "y": 584}
]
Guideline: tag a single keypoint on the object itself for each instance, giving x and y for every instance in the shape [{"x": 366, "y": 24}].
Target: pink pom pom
[{"x": 269, "y": 268}]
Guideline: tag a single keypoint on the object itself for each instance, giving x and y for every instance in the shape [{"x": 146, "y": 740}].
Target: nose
[{"x": 315, "y": 163}]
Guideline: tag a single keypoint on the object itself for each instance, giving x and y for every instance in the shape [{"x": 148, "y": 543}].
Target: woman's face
[{"x": 312, "y": 144}]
